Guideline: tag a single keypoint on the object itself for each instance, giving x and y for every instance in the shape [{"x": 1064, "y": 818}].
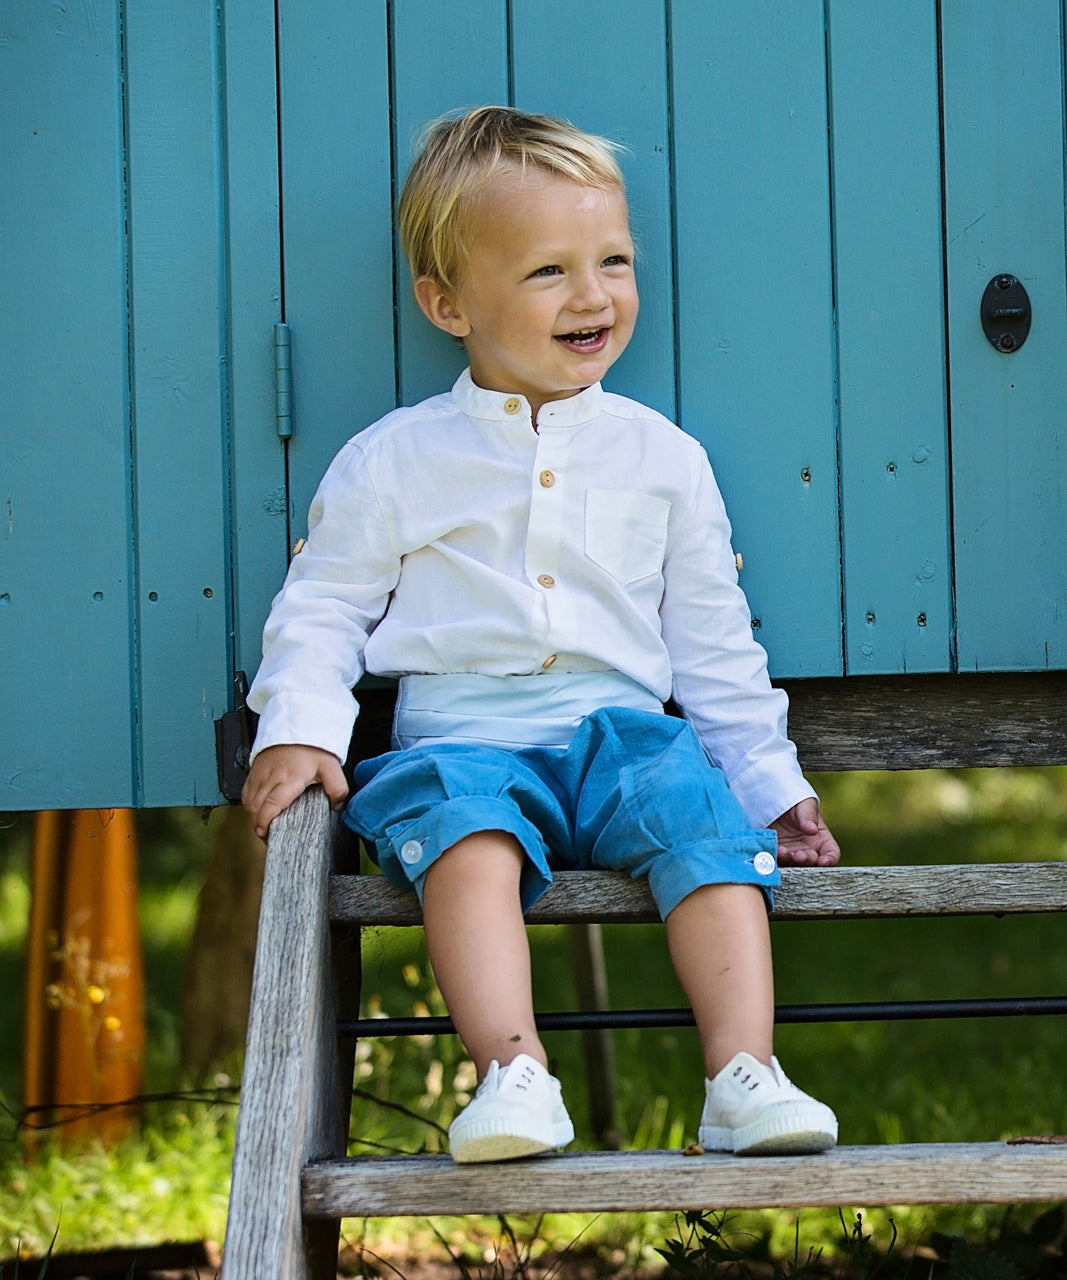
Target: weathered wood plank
[
  {"x": 882, "y": 722},
  {"x": 624, "y": 1181},
  {"x": 294, "y": 1100},
  {"x": 927, "y": 722},
  {"x": 611, "y": 897}
]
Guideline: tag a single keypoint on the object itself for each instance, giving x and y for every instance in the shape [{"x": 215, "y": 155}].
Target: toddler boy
[{"x": 543, "y": 564}]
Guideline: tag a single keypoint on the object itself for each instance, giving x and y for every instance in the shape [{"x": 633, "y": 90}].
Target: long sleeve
[
  {"x": 719, "y": 671},
  {"x": 335, "y": 593}
]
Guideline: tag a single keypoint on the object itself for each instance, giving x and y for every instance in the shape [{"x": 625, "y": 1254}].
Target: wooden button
[
  {"x": 547, "y": 479},
  {"x": 546, "y": 580},
  {"x": 512, "y": 404}
]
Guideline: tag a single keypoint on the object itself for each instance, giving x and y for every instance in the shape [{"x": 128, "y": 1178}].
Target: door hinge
[
  {"x": 235, "y": 731},
  {"x": 283, "y": 380}
]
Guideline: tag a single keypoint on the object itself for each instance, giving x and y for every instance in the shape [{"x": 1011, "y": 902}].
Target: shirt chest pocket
[{"x": 625, "y": 532}]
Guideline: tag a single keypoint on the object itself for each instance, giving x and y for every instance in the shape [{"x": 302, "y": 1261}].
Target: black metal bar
[{"x": 887, "y": 1011}]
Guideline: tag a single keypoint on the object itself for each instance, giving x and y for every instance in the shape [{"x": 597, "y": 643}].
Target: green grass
[{"x": 973, "y": 1079}]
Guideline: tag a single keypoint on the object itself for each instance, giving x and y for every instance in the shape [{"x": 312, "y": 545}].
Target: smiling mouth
[{"x": 584, "y": 339}]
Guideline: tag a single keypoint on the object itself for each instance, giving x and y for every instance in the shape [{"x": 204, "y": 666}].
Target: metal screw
[
  {"x": 1005, "y": 282},
  {"x": 1007, "y": 342},
  {"x": 756, "y": 624},
  {"x": 870, "y": 619},
  {"x": 921, "y": 620},
  {"x": 805, "y": 474}
]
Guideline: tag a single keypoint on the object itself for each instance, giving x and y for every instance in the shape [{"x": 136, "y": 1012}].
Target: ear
[{"x": 440, "y": 308}]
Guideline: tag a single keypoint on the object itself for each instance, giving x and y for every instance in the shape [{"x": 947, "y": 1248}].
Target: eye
[
  {"x": 545, "y": 271},
  {"x": 616, "y": 260}
]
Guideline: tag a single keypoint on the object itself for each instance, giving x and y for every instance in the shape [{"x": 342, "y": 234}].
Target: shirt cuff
[
  {"x": 770, "y": 788},
  {"x": 300, "y": 719}
]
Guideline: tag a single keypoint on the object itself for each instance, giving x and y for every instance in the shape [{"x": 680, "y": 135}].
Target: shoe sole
[
  {"x": 488, "y": 1142},
  {"x": 794, "y": 1133}
]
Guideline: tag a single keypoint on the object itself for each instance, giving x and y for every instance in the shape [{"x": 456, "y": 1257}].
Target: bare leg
[
  {"x": 476, "y": 941},
  {"x": 720, "y": 946}
]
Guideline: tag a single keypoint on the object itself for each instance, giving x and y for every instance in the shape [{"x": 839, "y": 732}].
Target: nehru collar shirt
[{"x": 454, "y": 537}]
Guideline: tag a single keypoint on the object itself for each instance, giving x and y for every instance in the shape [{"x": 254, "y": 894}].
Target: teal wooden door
[
  {"x": 820, "y": 191},
  {"x": 143, "y": 482},
  {"x": 811, "y": 187}
]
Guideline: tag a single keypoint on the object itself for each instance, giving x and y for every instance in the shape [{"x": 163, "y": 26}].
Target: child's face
[{"x": 548, "y": 302}]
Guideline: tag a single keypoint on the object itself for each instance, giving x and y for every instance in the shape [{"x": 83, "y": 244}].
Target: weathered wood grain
[
  {"x": 926, "y": 722},
  {"x": 294, "y": 1102},
  {"x": 882, "y": 722},
  {"x": 611, "y": 897},
  {"x": 623, "y": 1181}
]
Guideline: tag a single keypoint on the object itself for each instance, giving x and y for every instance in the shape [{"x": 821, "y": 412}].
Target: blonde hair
[{"x": 458, "y": 159}]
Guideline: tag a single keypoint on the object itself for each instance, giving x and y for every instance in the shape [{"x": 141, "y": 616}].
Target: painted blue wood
[
  {"x": 181, "y": 508},
  {"x": 755, "y": 311},
  {"x": 259, "y": 534},
  {"x": 143, "y": 224},
  {"x": 611, "y": 80},
  {"x": 1004, "y": 147},
  {"x": 891, "y": 337},
  {"x": 338, "y": 260},
  {"x": 65, "y": 559},
  {"x": 470, "y": 39}
]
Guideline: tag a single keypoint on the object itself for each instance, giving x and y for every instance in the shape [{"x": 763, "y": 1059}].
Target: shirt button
[
  {"x": 549, "y": 661},
  {"x": 512, "y": 404},
  {"x": 547, "y": 479},
  {"x": 546, "y": 580},
  {"x": 764, "y": 863},
  {"x": 411, "y": 851}
]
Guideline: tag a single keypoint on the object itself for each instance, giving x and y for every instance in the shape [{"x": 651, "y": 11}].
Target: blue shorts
[{"x": 633, "y": 792}]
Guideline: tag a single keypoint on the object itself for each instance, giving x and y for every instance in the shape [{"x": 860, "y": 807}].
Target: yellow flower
[
  {"x": 96, "y": 995},
  {"x": 111, "y": 1023}
]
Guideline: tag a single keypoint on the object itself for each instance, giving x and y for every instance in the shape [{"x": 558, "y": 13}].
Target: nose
[{"x": 590, "y": 293}]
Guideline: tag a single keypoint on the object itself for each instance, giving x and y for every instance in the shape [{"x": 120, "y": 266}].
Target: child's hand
[
  {"x": 279, "y": 774},
  {"x": 804, "y": 839}
]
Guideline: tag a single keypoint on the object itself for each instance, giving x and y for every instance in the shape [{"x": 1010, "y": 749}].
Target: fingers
[
  {"x": 280, "y": 774},
  {"x": 334, "y": 783},
  {"x": 804, "y": 839}
]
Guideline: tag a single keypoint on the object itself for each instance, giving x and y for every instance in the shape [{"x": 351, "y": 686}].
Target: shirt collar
[{"x": 476, "y": 402}]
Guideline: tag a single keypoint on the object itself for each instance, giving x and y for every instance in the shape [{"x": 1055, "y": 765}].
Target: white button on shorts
[
  {"x": 411, "y": 851},
  {"x": 764, "y": 862}
]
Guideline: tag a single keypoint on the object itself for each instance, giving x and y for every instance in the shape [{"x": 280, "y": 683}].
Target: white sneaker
[
  {"x": 752, "y": 1109},
  {"x": 517, "y": 1111}
]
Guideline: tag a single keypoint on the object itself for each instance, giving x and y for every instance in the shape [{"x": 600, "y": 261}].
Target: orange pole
[{"x": 84, "y": 1044}]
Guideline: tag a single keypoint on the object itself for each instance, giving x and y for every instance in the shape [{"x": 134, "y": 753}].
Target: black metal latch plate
[{"x": 1006, "y": 313}]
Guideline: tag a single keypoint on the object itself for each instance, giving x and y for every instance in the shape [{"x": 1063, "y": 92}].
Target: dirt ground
[{"x": 200, "y": 1261}]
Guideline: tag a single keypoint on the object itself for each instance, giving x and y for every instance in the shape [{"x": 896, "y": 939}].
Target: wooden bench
[{"x": 292, "y": 1182}]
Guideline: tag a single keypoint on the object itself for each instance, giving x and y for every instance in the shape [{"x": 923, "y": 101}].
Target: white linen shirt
[{"x": 453, "y": 537}]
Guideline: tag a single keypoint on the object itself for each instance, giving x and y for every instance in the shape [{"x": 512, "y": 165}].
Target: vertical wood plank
[
  {"x": 294, "y": 1097},
  {"x": 338, "y": 272},
  {"x": 179, "y": 343},
  {"x": 609, "y": 75},
  {"x": 470, "y": 38},
  {"x": 755, "y": 309},
  {"x": 891, "y": 336},
  {"x": 64, "y": 459},
  {"x": 1004, "y": 153},
  {"x": 259, "y": 535}
]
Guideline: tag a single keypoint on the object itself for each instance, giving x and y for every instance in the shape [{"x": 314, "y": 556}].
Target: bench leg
[{"x": 591, "y": 980}]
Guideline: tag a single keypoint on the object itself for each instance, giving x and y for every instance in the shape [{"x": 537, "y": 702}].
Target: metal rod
[{"x": 892, "y": 1011}]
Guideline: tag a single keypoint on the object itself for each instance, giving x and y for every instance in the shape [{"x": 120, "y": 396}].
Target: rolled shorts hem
[
  {"x": 410, "y": 848},
  {"x": 748, "y": 859}
]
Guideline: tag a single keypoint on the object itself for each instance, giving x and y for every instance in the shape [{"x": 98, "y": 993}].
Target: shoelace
[{"x": 492, "y": 1078}]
